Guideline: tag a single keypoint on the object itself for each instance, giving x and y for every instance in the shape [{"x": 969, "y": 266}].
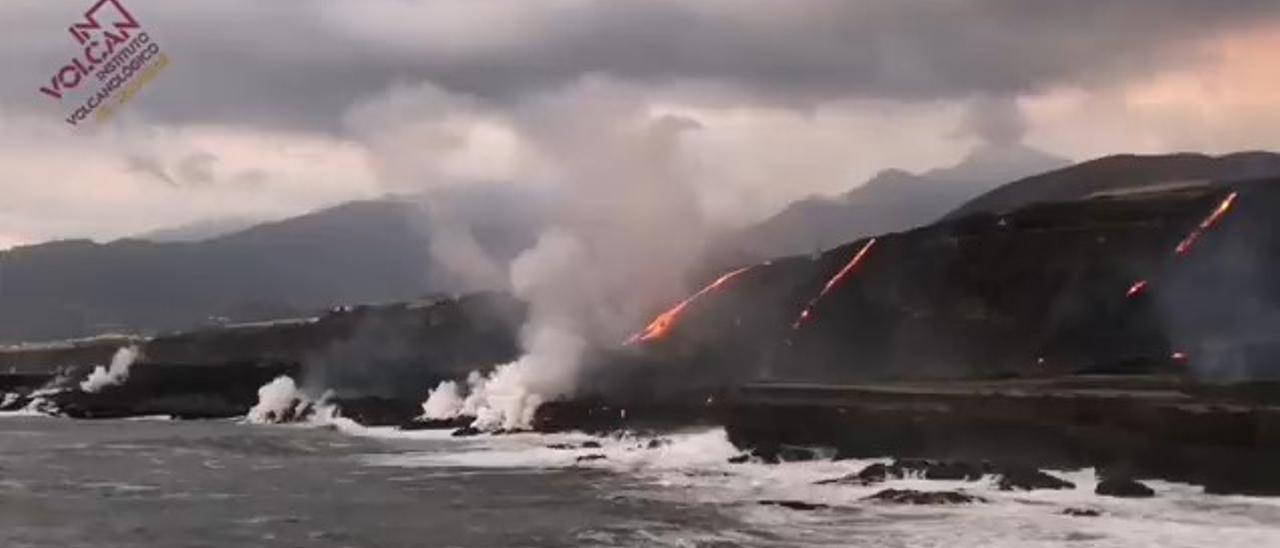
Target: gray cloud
[
  {"x": 298, "y": 65},
  {"x": 997, "y": 121},
  {"x": 150, "y": 166},
  {"x": 197, "y": 169}
]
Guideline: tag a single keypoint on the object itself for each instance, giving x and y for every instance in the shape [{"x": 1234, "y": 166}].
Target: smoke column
[{"x": 116, "y": 374}]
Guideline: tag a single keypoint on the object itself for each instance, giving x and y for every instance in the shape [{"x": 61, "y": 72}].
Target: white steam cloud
[
  {"x": 628, "y": 228},
  {"x": 279, "y": 401},
  {"x": 116, "y": 374}
]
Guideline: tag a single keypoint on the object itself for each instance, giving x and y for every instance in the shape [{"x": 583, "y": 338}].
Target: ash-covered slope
[{"x": 1112, "y": 173}]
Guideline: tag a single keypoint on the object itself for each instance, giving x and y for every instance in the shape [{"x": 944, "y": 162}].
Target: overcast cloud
[{"x": 270, "y": 108}]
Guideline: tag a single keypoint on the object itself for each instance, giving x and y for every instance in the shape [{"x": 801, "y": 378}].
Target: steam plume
[
  {"x": 628, "y": 229},
  {"x": 279, "y": 401},
  {"x": 116, "y": 374}
]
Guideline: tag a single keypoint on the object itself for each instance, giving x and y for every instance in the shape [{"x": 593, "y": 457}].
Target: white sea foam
[
  {"x": 24, "y": 412},
  {"x": 282, "y": 401},
  {"x": 693, "y": 469}
]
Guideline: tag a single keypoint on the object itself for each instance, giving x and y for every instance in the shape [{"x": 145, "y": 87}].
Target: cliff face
[{"x": 1092, "y": 285}]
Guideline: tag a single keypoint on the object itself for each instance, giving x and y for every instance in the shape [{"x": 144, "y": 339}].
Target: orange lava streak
[
  {"x": 662, "y": 324},
  {"x": 1218, "y": 213},
  {"x": 831, "y": 284},
  {"x": 1137, "y": 289}
]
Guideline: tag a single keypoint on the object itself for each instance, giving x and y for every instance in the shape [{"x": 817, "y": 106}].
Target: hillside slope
[{"x": 1118, "y": 172}]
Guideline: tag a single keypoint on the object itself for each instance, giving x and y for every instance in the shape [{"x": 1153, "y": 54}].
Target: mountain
[
  {"x": 892, "y": 201},
  {"x": 1119, "y": 172},
  {"x": 358, "y": 252},
  {"x": 199, "y": 230}
]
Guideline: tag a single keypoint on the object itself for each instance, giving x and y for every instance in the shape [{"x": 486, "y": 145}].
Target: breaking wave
[{"x": 692, "y": 468}]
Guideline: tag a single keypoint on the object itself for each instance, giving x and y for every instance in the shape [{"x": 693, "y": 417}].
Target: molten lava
[
  {"x": 833, "y": 282},
  {"x": 1138, "y": 289},
  {"x": 1213, "y": 219},
  {"x": 662, "y": 325}
]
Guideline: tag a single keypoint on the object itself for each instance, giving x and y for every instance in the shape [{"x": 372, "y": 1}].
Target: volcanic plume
[
  {"x": 833, "y": 282},
  {"x": 626, "y": 229},
  {"x": 664, "y": 322}
]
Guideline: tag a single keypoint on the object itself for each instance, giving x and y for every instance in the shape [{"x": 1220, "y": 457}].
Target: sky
[{"x": 270, "y": 109}]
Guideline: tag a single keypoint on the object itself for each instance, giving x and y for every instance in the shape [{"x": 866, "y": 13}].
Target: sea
[{"x": 155, "y": 482}]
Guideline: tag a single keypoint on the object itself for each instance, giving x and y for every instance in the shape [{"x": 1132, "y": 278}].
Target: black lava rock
[
  {"x": 911, "y": 496},
  {"x": 1027, "y": 479},
  {"x": 928, "y": 469},
  {"x": 466, "y": 432},
  {"x": 590, "y": 458},
  {"x": 739, "y": 459},
  {"x": 874, "y": 473},
  {"x": 1081, "y": 512},
  {"x": 953, "y": 470},
  {"x": 848, "y": 479},
  {"x": 794, "y": 504},
  {"x": 437, "y": 424},
  {"x": 877, "y": 472},
  {"x": 1125, "y": 488}
]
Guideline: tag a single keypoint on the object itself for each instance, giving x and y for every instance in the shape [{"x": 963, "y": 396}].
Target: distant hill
[
  {"x": 1119, "y": 172},
  {"x": 200, "y": 230},
  {"x": 892, "y": 201},
  {"x": 358, "y": 252}
]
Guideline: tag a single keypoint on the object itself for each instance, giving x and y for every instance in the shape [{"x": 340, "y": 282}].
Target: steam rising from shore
[
  {"x": 116, "y": 374},
  {"x": 281, "y": 401},
  {"x": 627, "y": 231}
]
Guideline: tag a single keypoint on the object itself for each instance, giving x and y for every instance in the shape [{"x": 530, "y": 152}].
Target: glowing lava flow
[
  {"x": 662, "y": 324},
  {"x": 1138, "y": 289},
  {"x": 1221, "y": 211},
  {"x": 831, "y": 284}
]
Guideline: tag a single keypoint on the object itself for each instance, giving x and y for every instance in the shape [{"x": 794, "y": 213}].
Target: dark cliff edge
[{"x": 378, "y": 358}]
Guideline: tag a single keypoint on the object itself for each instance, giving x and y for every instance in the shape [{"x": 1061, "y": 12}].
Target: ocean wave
[{"x": 693, "y": 468}]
